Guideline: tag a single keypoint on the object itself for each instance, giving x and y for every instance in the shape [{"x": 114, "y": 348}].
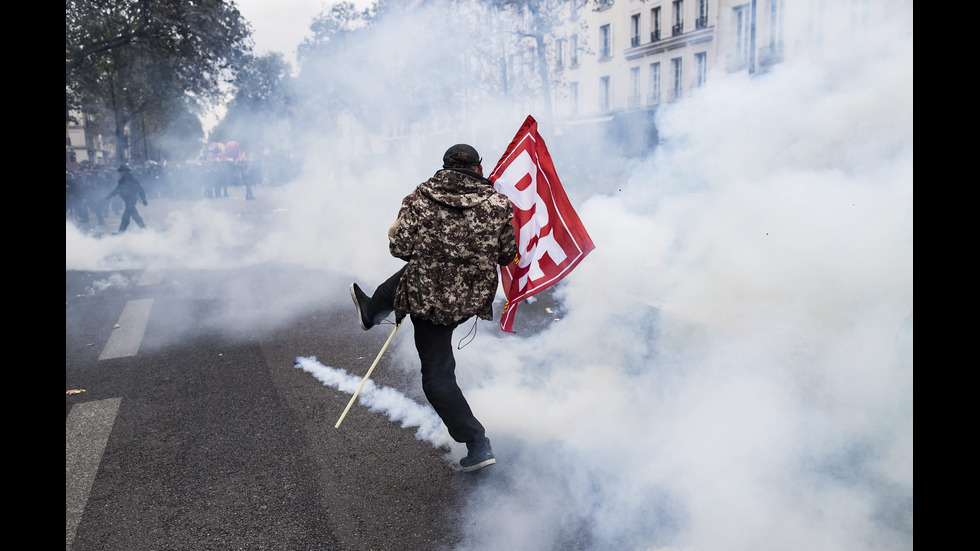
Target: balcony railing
[
  {"x": 654, "y": 36},
  {"x": 653, "y": 98},
  {"x": 635, "y": 41},
  {"x": 771, "y": 54},
  {"x": 701, "y": 22},
  {"x": 736, "y": 62},
  {"x": 677, "y": 29}
]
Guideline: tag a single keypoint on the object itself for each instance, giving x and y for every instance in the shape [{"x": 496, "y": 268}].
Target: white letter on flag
[{"x": 551, "y": 239}]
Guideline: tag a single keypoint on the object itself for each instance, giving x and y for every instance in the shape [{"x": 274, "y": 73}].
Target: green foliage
[
  {"x": 258, "y": 115},
  {"x": 125, "y": 58},
  {"x": 336, "y": 24}
]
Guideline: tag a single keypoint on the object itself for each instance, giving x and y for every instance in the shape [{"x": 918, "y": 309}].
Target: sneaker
[
  {"x": 361, "y": 303},
  {"x": 477, "y": 457}
]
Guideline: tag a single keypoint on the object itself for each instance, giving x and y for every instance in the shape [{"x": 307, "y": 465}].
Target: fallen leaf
[{"x": 76, "y": 391}]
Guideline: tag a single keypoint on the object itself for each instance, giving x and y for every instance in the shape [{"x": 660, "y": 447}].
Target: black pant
[
  {"x": 130, "y": 212},
  {"x": 435, "y": 348}
]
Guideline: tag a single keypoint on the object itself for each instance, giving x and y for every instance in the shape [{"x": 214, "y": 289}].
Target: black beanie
[{"x": 461, "y": 156}]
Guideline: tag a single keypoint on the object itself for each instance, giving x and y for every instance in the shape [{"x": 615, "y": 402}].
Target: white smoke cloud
[
  {"x": 731, "y": 368},
  {"x": 767, "y": 402}
]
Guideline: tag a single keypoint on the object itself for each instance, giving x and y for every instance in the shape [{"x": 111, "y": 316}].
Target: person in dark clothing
[
  {"x": 73, "y": 195},
  {"x": 91, "y": 198},
  {"x": 129, "y": 190},
  {"x": 453, "y": 231}
]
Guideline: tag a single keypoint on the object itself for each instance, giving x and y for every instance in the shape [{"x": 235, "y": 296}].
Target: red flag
[{"x": 551, "y": 239}]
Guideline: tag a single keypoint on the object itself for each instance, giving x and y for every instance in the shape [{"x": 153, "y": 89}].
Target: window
[
  {"x": 776, "y": 25},
  {"x": 815, "y": 19},
  {"x": 678, "y": 26},
  {"x": 634, "y": 99},
  {"x": 654, "y": 96},
  {"x": 740, "y": 20},
  {"x": 573, "y": 98},
  {"x": 701, "y": 59},
  {"x": 860, "y": 10},
  {"x": 655, "y": 24},
  {"x": 675, "y": 65},
  {"x": 604, "y": 94},
  {"x": 702, "y": 20},
  {"x": 773, "y": 51},
  {"x": 635, "y": 30},
  {"x": 573, "y": 50},
  {"x": 605, "y": 42},
  {"x": 560, "y": 54}
]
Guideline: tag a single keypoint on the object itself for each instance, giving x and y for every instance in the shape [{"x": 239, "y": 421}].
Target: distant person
[
  {"x": 73, "y": 195},
  {"x": 453, "y": 231},
  {"x": 129, "y": 190},
  {"x": 243, "y": 176},
  {"x": 92, "y": 197}
]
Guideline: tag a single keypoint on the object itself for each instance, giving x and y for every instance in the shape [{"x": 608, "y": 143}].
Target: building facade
[
  {"x": 640, "y": 55},
  {"x": 84, "y": 146}
]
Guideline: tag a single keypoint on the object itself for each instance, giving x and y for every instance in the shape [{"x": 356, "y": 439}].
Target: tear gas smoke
[
  {"x": 395, "y": 405},
  {"x": 732, "y": 368}
]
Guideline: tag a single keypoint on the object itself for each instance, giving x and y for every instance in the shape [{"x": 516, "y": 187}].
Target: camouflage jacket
[{"x": 453, "y": 230}]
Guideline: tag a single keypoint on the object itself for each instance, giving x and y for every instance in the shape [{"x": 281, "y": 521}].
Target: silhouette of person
[{"x": 129, "y": 190}]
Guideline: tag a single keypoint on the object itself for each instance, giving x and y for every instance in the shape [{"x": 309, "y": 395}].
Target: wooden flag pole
[{"x": 366, "y": 377}]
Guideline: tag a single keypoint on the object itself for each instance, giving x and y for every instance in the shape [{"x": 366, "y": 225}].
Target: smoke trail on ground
[{"x": 378, "y": 399}]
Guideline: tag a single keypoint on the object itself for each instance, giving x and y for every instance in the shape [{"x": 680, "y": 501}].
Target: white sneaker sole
[{"x": 477, "y": 466}]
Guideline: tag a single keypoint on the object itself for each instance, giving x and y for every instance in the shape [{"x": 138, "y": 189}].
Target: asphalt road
[
  {"x": 188, "y": 431},
  {"x": 199, "y": 437}
]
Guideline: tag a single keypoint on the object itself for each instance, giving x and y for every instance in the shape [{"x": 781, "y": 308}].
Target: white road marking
[
  {"x": 126, "y": 338},
  {"x": 86, "y": 434}
]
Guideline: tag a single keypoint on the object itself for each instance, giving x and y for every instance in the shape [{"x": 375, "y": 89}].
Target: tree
[
  {"x": 147, "y": 57},
  {"x": 547, "y": 22},
  {"x": 336, "y": 24},
  {"x": 390, "y": 67},
  {"x": 258, "y": 115},
  {"x": 175, "y": 135},
  {"x": 331, "y": 59},
  {"x": 429, "y": 67}
]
